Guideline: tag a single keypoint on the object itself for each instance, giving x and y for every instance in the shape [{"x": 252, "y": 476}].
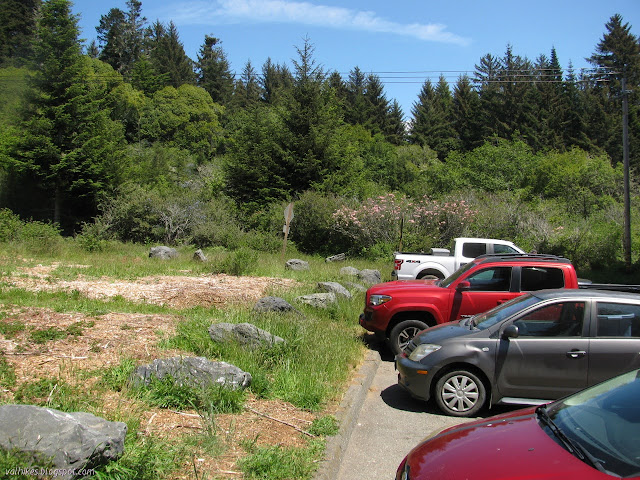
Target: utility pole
[{"x": 625, "y": 157}]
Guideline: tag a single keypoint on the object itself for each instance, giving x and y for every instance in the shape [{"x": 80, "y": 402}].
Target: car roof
[
  {"x": 520, "y": 257},
  {"x": 584, "y": 293}
]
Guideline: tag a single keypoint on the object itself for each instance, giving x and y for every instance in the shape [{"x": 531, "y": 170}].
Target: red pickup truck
[{"x": 398, "y": 310}]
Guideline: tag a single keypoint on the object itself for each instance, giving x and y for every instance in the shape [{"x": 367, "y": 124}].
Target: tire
[
  {"x": 402, "y": 333},
  {"x": 430, "y": 274},
  {"x": 460, "y": 393}
]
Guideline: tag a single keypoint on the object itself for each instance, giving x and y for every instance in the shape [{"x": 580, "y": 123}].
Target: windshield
[
  {"x": 604, "y": 421},
  {"x": 495, "y": 315},
  {"x": 454, "y": 276}
]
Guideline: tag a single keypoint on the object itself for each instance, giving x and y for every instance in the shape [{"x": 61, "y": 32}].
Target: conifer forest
[{"x": 128, "y": 139}]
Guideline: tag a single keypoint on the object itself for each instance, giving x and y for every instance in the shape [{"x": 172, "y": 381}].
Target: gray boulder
[
  {"x": 243, "y": 333},
  {"x": 370, "y": 277},
  {"x": 340, "y": 257},
  {"x": 199, "y": 256},
  {"x": 297, "y": 265},
  {"x": 334, "y": 287},
  {"x": 318, "y": 300},
  {"x": 349, "y": 271},
  {"x": 192, "y": 371},
  {"x": 273, "y": 304},
  {"x": 72, "y": 441},
  {"x": 162, "y": 252}
]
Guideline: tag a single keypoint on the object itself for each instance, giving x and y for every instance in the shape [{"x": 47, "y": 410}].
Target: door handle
[{"x": 576, "y": 353}]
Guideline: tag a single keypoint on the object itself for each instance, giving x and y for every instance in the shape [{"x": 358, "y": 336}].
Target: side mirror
[
  {"x": 510, "y": 332},
  {"x": 464, "y": 285}
]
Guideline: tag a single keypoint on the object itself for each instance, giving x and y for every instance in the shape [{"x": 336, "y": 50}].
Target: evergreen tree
[
  {"x": 356, "y": 105},
  {"x": 377, "y": 106},
  {"x": 213, "y": 71},
  {"x": 69, "y": 152},
  {"x": 617, "y": 56},
  {"x": 167, "y": 55},
  {"x": 276, "y": 79},
  {"x": 574, "y": 123},
  {"x": 247, "y": 91},
  {"x": 432, "y": 118},
  {"x": 121, "y": 37},
  {"x": 395, "y": 129},
  {"x": 487, "y": 79},
  {"x": 465, "y": 111},
  {"x": 17, "y": 28}
]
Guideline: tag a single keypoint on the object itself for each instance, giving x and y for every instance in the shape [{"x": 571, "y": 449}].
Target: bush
[
  {"x": 312, "y": 228},
  {"x": 241, "y": 262},
  {"x": 10, "y": 225}
]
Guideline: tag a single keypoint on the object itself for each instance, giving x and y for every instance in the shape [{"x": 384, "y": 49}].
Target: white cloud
[{"x": 284, "y": 11}]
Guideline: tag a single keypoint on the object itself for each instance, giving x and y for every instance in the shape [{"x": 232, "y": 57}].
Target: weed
[
  {"x": 324, "y": 426},
  {"x": 7, "y": 373},
  {"x": 280, "y": 463},
  {"x": 47, "y": 334},
  {"x": 11, "y": 329}
]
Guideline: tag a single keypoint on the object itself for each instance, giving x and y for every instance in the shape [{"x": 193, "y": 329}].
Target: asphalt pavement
[{"x": 379, "y": 424}]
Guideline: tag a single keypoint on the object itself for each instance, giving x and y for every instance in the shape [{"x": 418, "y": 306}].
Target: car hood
[
  {"x": 404, "y": 285},
  {"x": 503, "y": 447}
]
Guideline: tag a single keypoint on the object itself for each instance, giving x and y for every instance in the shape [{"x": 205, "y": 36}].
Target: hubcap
[
  {"x": 460, "y": 393},
  {"x": 406, "y": 335}
]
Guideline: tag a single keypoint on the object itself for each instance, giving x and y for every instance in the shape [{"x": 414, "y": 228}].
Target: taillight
[{"x": 397, "y": 263}]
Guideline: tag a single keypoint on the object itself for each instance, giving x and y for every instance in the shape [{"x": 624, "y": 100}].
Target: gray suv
[{"x": 533, "y": 349}]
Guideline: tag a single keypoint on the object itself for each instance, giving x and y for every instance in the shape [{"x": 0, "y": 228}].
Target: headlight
[
  {"x": 422, "y": 350},
  {"x": 376, "y": 300}
]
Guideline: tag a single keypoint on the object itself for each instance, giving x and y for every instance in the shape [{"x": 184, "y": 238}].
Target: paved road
[{"x": 390, "y": 423}]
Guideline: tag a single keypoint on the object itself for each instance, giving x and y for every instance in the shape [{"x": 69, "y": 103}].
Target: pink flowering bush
[{"x": 391, "y": 219}]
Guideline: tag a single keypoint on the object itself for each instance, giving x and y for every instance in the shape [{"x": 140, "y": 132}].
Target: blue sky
[{"x": 404, "y": 42}]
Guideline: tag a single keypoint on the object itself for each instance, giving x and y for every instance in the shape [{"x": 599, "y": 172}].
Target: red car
[{"x": 591, "y": 435}]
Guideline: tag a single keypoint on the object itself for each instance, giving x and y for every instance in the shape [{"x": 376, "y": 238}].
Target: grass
[{"x": 309, "y": 370}]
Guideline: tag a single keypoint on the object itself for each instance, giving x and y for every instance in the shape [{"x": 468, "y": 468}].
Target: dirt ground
[{"x": 108, "y": 338}]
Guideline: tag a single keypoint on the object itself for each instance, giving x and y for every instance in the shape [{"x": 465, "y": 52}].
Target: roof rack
[{"x": 522, "y": 256}]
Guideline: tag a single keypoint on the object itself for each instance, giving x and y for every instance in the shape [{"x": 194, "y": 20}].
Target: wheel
[
  {"x": 460, "y": 393},
  {"x": 402, "y": 333},
  {"x": 430, "y": 275}
]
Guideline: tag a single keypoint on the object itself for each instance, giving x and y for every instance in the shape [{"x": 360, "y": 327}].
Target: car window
[
  {"x": 618, "y": 320},
  {"x": 539, "y": 278},
  {"x": 473, "y": 250},
  {"x": 496, "y": 279},
  {"x": 499, "y": 248},
  {"x": 562, "y": 319}
]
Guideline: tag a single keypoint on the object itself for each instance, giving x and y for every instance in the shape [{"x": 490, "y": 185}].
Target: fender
[
  {"x": 417, "y": 307},
  {"x": 432, "y": 266}
]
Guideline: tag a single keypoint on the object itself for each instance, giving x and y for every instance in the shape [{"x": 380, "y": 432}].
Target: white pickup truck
[{"x": 441, "y": 262}]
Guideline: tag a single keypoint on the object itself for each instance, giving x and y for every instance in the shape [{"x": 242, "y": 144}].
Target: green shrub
[
  {"x": 10, "y": 225},
  {"x": 41, "y": 238},
  {"x": 241, "y": 262}
]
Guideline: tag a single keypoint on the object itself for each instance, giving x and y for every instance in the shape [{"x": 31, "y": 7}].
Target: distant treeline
[{"x": 130, "y": 126}]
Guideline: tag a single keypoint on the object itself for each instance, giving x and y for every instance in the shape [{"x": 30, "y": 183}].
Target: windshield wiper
[{"x": 573, "y": 447}]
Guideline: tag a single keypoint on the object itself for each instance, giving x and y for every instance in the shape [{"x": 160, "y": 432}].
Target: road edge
[{"x": 347, "y": 416}]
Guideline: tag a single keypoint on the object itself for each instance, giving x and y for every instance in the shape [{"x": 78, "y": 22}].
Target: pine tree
[
  {"x": 276, "y": 79},
  {"x": 356, "y": 105},
  {"x": 396, "y": 129},
  {"x": 247, "y": 91},
  {"x": 213, "y": 71},
  {"x": 465, "y": 112},
  {"x": 377, "y": 105},
  {"x": 17, "y": 28},
  {"x": 121, "y": 37},
  {"x": 167, "y": 55},
  {"x": 69, "y": 152},
  {"x": 617, "y": 56}
]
